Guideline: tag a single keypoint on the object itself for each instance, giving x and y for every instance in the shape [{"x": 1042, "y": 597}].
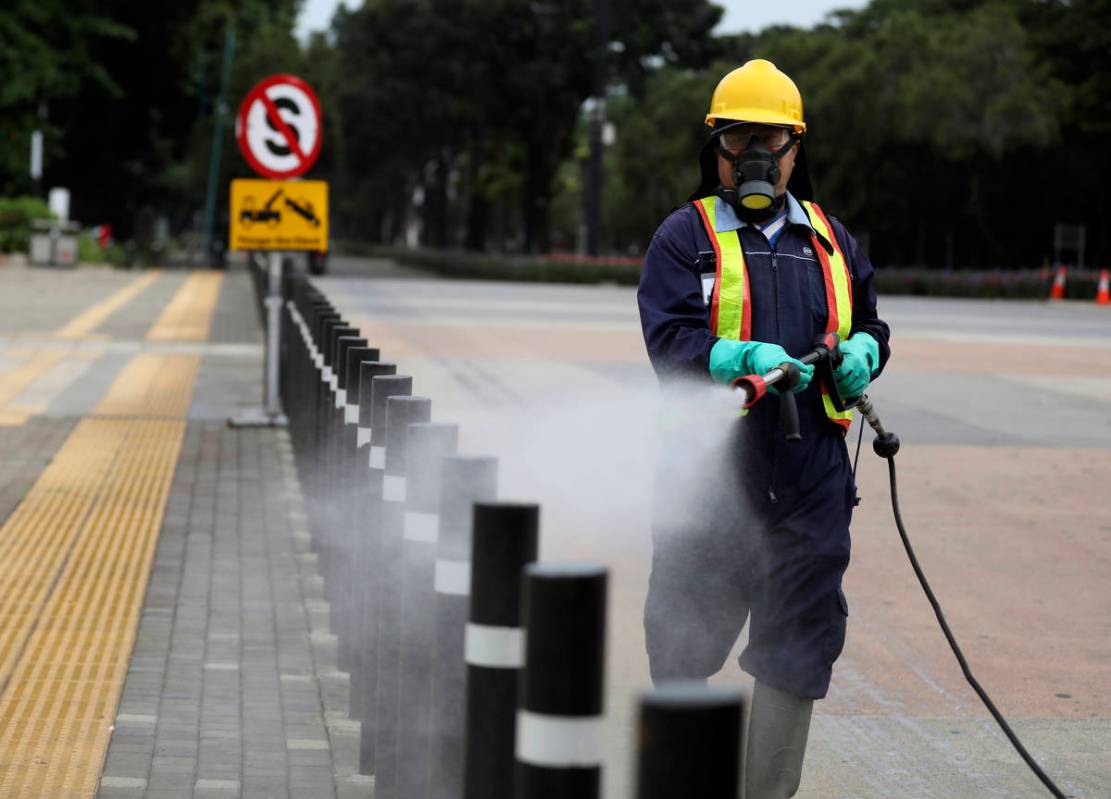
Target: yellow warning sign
[{"x": 279, "y": 215}]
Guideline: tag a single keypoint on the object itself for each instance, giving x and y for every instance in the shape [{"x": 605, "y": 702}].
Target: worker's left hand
[{"x": 860, "y": 357}]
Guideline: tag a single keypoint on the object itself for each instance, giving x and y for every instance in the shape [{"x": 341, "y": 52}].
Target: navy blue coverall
[{"x": 779, "y": 545}]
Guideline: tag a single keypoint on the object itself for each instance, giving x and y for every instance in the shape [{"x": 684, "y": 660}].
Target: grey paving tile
[{"x": 233, "y": 667}]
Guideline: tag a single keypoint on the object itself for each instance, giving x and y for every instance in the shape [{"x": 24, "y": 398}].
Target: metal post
[
  {"x": 271, "y": 414},
  {"x": 220, "y": 112},
  {"x": 467, "y": 479},
  {"x": 400, "y": 413},
  {"x": 690, "y": 742},
  {"x": 506, "y": 539},
  {"x": 425, "y": 452},
  {"x": 559, "y": 718}
]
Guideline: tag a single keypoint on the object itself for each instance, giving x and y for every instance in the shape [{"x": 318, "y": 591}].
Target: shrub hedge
[
  {"x": 16, "y": 215},
  {"x": 1024, "y": 284}
]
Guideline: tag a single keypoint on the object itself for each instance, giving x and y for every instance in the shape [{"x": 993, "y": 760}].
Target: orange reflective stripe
[
  {"x": 708, "y": 223},
  {"x": 730, "y": 306},
  {"x": 842, "y": 418},
  {"x": 839, "y": 295}
]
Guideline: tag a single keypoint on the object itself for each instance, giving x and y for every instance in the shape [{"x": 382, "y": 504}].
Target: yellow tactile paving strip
[
  {"x": 92, "y": 317},
  {"x": 152, "y": 385},
  {"x": 188, "y": 315},
  {"x": 75, "y": 557},
  {"x": 76, "y": 560}
]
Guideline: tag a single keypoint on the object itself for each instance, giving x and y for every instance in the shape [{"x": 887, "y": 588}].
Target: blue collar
[{"x": 725, "y": 218}]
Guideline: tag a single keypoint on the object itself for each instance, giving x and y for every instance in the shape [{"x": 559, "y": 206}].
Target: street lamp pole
[{"x": 595, "y": 176}]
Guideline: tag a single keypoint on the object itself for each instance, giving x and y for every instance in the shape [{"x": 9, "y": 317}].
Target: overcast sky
[{"x": 740, "y": 15}]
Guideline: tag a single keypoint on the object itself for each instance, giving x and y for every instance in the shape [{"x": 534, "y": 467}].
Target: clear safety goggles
[{"x": 737, "y": 137}]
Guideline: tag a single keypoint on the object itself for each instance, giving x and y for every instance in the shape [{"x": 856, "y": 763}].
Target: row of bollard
[{"x": 433, "y": 584}]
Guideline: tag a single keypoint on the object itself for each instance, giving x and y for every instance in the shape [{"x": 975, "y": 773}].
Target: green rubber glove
[
  {"x": 732, "y": 359},
  {"x": 860, "y": 357}
]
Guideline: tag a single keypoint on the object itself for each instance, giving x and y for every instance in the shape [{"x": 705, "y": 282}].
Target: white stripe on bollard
[
  {"x": 393, "y": 488},
  {"x": 351, "y": 414},
  {"x": 333, "y": 379},
  {"x": 559, "y": 741},
  {"x": 377, "y": 457},
  {"x": 362, "y": 437},
  {"x": 453, "y": 577},
  {"x": 341, "y": 398},
  {"x": 494, "y": 647},
  {"x": 422, "y": 527}
]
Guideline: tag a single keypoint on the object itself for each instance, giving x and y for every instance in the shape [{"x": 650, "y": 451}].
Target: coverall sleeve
[
  {"x": 673, "y": 317},
  {"x": 865, "y": 316}
]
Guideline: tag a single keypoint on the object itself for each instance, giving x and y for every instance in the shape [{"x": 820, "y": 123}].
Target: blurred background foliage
[{"x": 945, "y": 133}]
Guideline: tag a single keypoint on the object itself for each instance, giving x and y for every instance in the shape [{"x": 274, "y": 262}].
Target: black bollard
[
  {"x": 428, "y": 445},
  {"x": 690, "y": 742},
  {"x": 304, "y": 388},
  {"x": 466, "y": 480},
  {"x": 327, "y": 493},
  {"x": 559, "y": 717},
  {"x": 321, "y": 438},
  {"x": 356, "y": 357},
  {"x": 314, "y": 444},
  {"x": 364, "y": 682},
  {"x": 351, "y": 485},
  {"x": 506, "y": 539},
  {"x": 400, "y": 413},
  {"x": 364, "y": 507},
  {"x": 367, "y": 372},
  {"x": 335, "y": 476}
]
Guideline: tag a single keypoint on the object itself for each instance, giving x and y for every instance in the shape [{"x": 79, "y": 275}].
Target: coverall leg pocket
[{"x": 838, "y": 618}]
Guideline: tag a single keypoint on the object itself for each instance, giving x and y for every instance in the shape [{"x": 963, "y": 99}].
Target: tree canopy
[{"x": 944, "y": 133}]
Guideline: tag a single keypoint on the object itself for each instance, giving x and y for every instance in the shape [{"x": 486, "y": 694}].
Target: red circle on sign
[{"x": 258, "y": 94}]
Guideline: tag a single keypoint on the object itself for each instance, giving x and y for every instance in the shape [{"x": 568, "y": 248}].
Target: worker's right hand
[{"x": 732, "y": 359}]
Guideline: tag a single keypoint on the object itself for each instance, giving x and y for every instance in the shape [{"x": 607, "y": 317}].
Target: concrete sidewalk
[{"x": 231, "y": 687}]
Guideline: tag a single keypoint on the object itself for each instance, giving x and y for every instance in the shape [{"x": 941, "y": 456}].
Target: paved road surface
[{"x": 1004, "y": 410}]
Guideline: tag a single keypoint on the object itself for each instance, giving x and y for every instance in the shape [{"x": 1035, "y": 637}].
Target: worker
[{"x": 744, "y": 277}]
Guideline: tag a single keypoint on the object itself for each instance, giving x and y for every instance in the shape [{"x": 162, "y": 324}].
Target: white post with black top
[
  {"x": 505, "y": 540},
  {"x": 559, "y": 716}
]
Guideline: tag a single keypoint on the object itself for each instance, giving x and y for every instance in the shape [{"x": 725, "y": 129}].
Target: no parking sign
[{"x": 278, "y": 127}]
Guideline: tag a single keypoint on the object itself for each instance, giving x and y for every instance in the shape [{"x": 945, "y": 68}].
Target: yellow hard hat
[{"x": 757, "y": 92}]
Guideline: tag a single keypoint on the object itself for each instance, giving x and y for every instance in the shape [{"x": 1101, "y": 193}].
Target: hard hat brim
[{"x": 758, "y": 115}]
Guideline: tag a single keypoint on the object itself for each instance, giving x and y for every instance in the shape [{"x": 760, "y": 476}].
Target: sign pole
[
  {"x": 271, "y": 414},
  {"x": 272, "y": 399}
]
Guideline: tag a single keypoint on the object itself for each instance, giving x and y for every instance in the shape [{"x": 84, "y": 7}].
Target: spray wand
[{"x": 826, "y": 356}]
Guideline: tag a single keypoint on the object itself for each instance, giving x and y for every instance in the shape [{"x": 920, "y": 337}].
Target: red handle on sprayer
[{"x": 754, "y": 387}]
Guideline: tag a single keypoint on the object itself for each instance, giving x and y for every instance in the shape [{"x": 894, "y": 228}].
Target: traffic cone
[
  {"x": 1103, "y": 293},
  {"x": 1058, "y": 290}
]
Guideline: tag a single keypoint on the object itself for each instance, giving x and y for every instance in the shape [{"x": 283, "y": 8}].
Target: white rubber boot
[{"x": 778, "y": 726}]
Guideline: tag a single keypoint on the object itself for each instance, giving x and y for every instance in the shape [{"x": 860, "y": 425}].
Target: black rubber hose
[{"x": 980, "y": 692}]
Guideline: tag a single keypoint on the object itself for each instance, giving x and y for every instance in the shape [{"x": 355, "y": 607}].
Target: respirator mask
[{"x": 754, "y": 151}]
